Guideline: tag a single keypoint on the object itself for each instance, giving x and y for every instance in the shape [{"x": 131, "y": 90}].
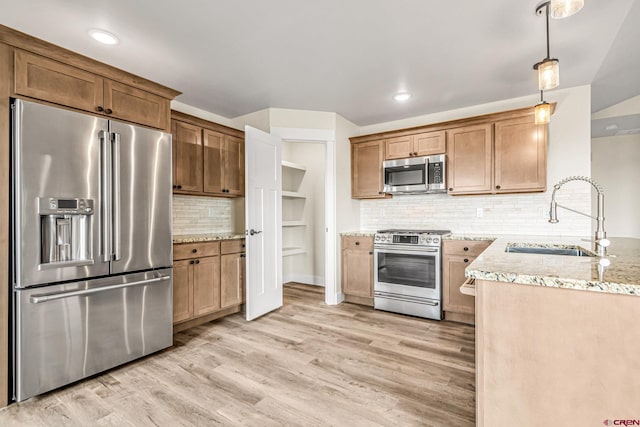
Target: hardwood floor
[{"x": 306, "y": 364}]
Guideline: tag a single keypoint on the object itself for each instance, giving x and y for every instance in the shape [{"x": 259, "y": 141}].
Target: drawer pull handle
[
  {"x": 466, "y": 260},
  {"x": 357, "y": 243},
  {"x": 194, "y": 251}
]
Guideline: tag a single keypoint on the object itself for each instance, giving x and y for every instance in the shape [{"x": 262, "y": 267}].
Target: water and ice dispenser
[{"x": 65, "y": 229}]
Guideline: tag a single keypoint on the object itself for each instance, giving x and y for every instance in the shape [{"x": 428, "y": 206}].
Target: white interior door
[{"x": 263, "y": 211}]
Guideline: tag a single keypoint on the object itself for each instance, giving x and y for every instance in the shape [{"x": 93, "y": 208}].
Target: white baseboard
[{"x": 307, "y": 279}]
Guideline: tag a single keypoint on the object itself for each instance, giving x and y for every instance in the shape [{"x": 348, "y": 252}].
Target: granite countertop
[
  {"x": 618, "y": 272},
  {"x": 358, "y": 233},
  {"x": 462, "y": 236},
  {"x": 196, "y": 238}
]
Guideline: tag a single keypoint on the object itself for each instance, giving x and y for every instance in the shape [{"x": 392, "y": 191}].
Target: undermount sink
[{"x": 571, "y": 251}]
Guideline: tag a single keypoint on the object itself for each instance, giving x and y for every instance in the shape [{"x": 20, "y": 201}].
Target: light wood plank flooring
[{"x": 306, "y": 364}]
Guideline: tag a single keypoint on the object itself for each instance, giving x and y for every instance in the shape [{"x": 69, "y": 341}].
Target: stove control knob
[
  {"x": 428, "y": 239},
  {"x": 436, "y": 239},
  {"x": 377, "y": 238}
]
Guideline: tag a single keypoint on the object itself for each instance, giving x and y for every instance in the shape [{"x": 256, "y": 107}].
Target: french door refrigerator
[{"x": 91, "y": 224}]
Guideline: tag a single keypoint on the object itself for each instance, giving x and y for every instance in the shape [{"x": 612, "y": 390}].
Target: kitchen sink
[{"x": 570, "y": 251}]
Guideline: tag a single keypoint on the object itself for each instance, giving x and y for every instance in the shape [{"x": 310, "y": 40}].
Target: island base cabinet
[{"x": 552, "y": 356}]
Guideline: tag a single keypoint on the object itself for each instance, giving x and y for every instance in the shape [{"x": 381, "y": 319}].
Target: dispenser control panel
[{"x": 59, "y": 206}]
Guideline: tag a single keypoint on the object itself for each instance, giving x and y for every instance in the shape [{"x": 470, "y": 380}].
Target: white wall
[
  {"x": 615, "y": 166},
  {"x": 569, "y": 150},
  {"x": 307, "y": 267}
]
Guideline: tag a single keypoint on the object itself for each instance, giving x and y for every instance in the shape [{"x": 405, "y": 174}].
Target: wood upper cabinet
[
  {"x": 457, "y": 255},
  {"x": 470, "y": 159},
  {"x": 49, "y": 80},
  {"x": 187, "y": 157},
  {"x": 366, "y": 170},
  {"x": 211, "y": 163},
  {"x": 520, "y": 156},
  {"x": 357, "y": 266},
  {"x": 422, "y": 144}
]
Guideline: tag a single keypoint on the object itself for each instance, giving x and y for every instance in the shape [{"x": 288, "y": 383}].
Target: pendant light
[
  {"x": 542, "y": 111},
  {"x": 563, "y": 8},
  {"x": 549, "y": 68}
]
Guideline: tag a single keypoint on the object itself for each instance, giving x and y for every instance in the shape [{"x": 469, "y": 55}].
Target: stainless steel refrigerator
[{"x": 91, "y": 221}]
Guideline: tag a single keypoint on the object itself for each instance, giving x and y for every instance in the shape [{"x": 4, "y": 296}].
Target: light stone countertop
[
  {"x": 463, "y": 236},
  {"x": 621, "y": 276},
  {"x": 358, "y": 233},
  {"x": 212, "y": 237}
]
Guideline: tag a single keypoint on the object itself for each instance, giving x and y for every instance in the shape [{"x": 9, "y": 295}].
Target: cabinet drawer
[
  {"x": 465, "y": 247},
  {"x": 353, "y": 242},
  {"x": 232, "y": 246},
  {"x": 195, "y": 250}
]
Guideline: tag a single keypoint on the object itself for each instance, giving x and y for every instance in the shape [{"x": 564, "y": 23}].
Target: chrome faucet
[{"x": 600, "y": 235}]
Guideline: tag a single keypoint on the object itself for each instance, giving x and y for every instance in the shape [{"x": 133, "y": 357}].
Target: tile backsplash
[
  {"x": 493, "y": 214},
  {"x": 202, "y": 215}
]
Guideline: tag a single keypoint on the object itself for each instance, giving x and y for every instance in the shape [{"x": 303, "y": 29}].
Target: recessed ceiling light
[
  {"x": 103, "y": 37},
  {"x": 402, "y": 96}
]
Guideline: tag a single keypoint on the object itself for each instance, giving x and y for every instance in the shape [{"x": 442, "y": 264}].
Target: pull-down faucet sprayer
[{"x": 600, "y": 235}]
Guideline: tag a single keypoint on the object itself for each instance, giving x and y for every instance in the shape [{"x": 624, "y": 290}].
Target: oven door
[{"x": 408, "y": 271}]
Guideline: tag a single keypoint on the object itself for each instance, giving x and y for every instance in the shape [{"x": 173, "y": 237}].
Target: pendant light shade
[
  {"x": 548, "y": 74},
  {"x": 542, "y": 113},
  {"x": 563, "y": 8}
]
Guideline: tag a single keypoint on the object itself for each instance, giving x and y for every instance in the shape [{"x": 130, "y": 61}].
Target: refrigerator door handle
[
  {"x": 37, "y": 299},
  {"x": 117, "y": 241},
  {"x": 105, "y": 195}
]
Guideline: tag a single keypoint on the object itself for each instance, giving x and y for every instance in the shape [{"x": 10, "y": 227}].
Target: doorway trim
[{"x": 328, "y": 138}]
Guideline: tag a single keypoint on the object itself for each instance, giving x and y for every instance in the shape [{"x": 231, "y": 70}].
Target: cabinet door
[
  {"x": 470, "y": 159},
  {"x": 452, "y": 278},
  {"x": 399, "y": 148},
  {"x": 233, "y": 161},
  {"x": 48, "y": 80},
  {"x": 366, "y": 170},
  {"x": 426, "y": 144},
  {"x": 134, "y": 105},
  {"x": 357, "y": 272},
  {"x": 206, "y": 285},
  {"x": 230, "y": 280},
  {"x": 182, "y": 290},
  {"x": 213, "y": 161},
  {"x": 187, "y": 145},
  {"x": 520, "y": 155}
]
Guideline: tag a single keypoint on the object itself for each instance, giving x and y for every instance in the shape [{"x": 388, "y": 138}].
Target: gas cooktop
[{"x": 415, "y": 232}]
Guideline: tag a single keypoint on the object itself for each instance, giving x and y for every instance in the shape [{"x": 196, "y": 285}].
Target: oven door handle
[{"x": 407, "y": 251}]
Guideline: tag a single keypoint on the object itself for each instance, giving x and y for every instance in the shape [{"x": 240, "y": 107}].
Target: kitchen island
[{"x": 557, "y": 337}]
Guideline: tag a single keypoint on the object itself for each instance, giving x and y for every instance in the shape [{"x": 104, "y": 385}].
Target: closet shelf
[
  {"x": 292, "y": 251},
  {"x": 293, "y": 223},
  {"x": 292, "y": 165},
  {"x": 293, "y": 195}
]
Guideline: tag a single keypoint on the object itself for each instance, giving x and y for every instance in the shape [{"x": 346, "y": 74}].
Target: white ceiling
[{"x": 345, "y": 56}]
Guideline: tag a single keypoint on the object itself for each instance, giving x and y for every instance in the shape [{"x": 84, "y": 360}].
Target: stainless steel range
[{"x": 407, "y": 270}]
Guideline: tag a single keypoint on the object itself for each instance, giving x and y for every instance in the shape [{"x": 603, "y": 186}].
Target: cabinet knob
[
  {"x": 450, "y": 188},
  {"x": 381, "y": 192},
  {"x": 197, "y": 261},
  {"x": 357, "y": 243},
  {"x": 370, "y": 252},
  {"x": 466, "y": 260},
  {"x": 108, "y": 111},
  {"x": 192, "y": 262},
  {"x": 99, "y": 109},
  {"x": 243, "y": 255},
  {"x": 410, "y": 154},
  {"x": 465, "y": 249},
  {"x": 497, "y": 187},
  {"x": 415, "y": 154},
  {"x": 179, "y": 187},
  {"x": 244, "y": 246},
  {"x": 194, "y": 251}
]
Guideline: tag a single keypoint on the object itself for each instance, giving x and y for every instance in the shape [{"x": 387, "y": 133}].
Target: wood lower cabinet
[
  {"x": 208, "y": 281},
  {"x": 457, "y": 255},
  {"x": 207, "y": 161},
  {"x": 52, "y": 81},
  {"x": 366, "y": 170},
  {"x": 232, "y": 272},
  {"x": 357, "y": 269}
]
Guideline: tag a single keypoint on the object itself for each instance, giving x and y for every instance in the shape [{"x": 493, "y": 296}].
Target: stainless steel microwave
[{"x": 414, "y": 175}]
